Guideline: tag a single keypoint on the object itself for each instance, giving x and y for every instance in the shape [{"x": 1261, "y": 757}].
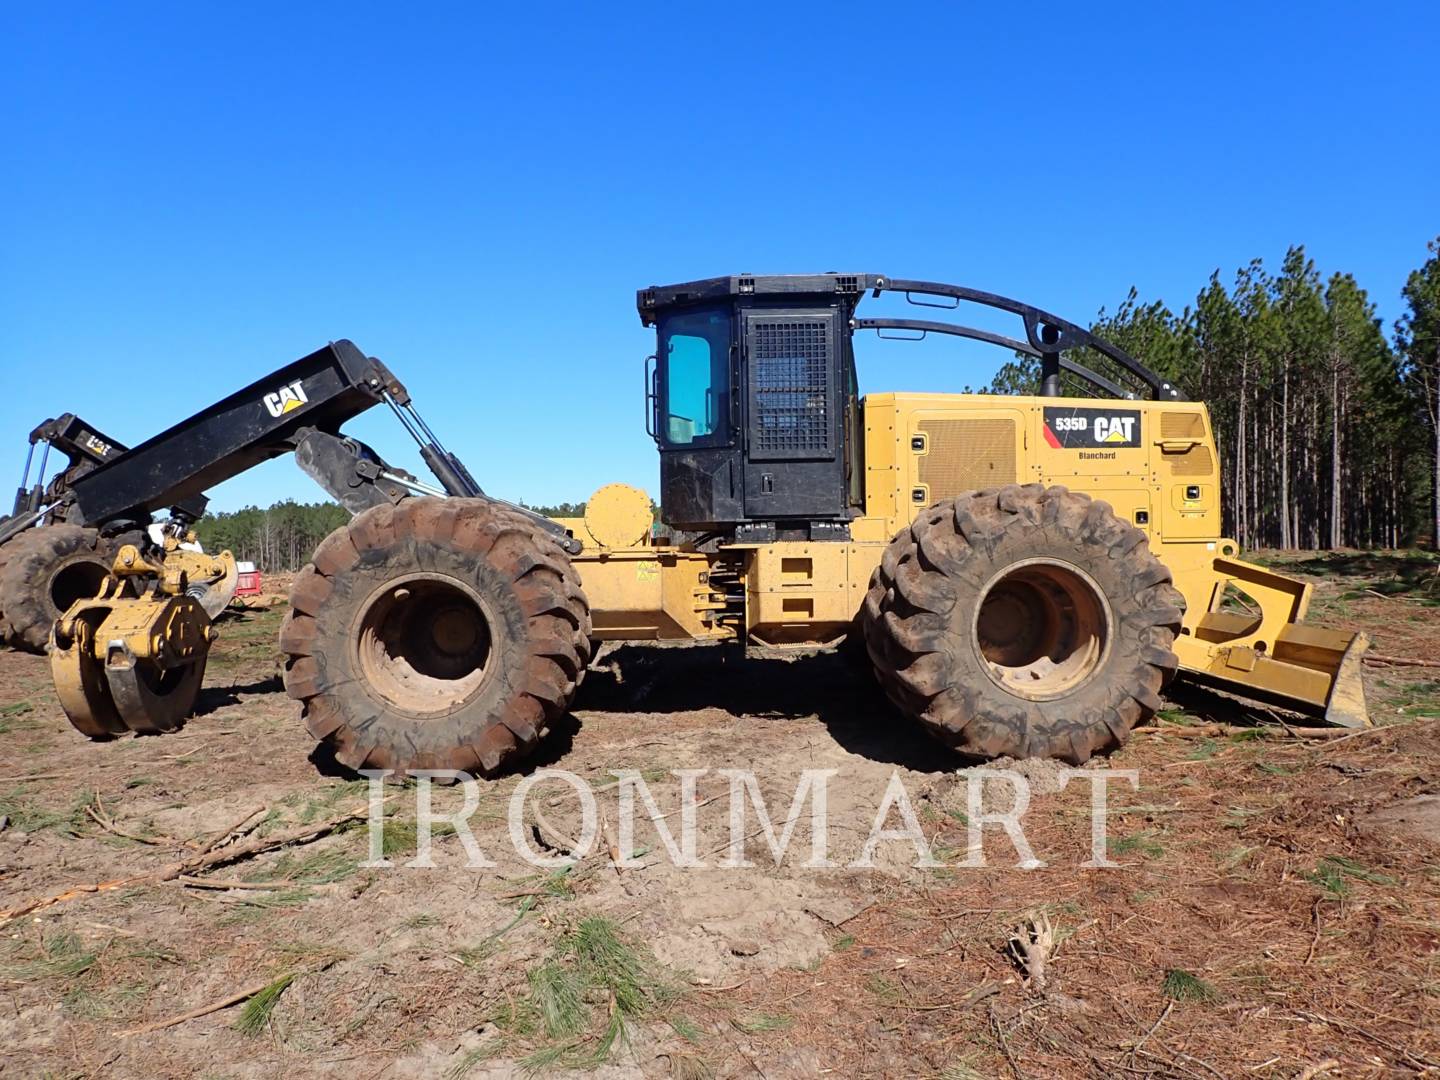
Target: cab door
[{"x": 794, "y": 464}]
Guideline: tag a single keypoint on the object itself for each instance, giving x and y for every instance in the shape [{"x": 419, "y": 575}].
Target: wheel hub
[
  {"x": 1042, "y": 628},
  {"x": 423, "y": 644}
]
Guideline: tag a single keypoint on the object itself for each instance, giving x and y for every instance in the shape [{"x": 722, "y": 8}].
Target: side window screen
[
  {"x": 790, "y": 389},
  {"x": 690, "y": 411},
  {"x": 696, "y": 355}
]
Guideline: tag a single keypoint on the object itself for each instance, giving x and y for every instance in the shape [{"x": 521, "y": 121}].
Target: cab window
[{"x": 695, "y": 378}]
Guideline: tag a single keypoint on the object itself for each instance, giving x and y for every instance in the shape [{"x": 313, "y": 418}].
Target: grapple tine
[
  {"x": 151, "y": 700},
  {"x": 80, "y": 685}
]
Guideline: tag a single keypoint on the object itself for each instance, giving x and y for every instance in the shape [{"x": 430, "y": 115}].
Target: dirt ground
[{"x": 1276, "y": 911}]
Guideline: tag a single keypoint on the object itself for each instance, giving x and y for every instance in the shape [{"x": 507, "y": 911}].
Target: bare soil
[{"x": 1276, "y": 912}]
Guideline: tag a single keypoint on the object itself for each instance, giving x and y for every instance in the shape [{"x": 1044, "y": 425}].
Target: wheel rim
[
  {"x": 78, "y": 580},
  {"x": 1042, "y": 628},
  {"x": 423, "y": 644}
]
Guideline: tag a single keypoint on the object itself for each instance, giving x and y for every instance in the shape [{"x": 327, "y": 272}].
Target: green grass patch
[
  {"x": 476, "y": 955},
  {"x": 12, "y": 716},
  {"x": 473, "y": 1059},
  {"x": 1143, "y": 843},
  {"x": 327, "y": 803},
  {"x": 1236, "y": 856},
  {"x": 557, "y": 883},
  {"x": 686, "y": 1028},
  {"x": 1271, "y": 769},
  {"x": 320, "y": 868},
  {"x": 403, "y": 837},
  {"x": 28, "y": 816},
  {"x": 580, "y": 1001},
  {"x": 1334, "y": 872},
  {"x": 1176, "y": 716},
  {"x": 1181, "y": 985},
  {"x": 1203, "y": 748},
  {"x": 151, "y": 954},
  {"x": 255, "y": 1016},
  {"x": 249, "y": 909},
  {"x": 111, "y": 1003},
  {"x": 886, "y": 991},
  {"x": 62, "y": 956},
  {"x": 761, "y": 1023}
]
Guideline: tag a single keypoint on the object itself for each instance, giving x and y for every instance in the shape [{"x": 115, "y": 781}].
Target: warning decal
[{"x": 1087, "y": 428}]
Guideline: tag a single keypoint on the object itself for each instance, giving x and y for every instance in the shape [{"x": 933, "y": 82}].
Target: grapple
[{"x": 133, "y": 657}]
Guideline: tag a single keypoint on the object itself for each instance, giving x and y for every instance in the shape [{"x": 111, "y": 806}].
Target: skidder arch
[
  {"x": 437, "y": 634},
  {"x": 1023, "y": 621}
]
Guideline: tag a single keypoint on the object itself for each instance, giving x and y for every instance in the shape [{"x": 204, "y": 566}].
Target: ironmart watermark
[{"x": 749, "y": 817}]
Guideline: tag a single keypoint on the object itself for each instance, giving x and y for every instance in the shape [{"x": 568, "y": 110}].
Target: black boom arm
[{"x": 298, "y": 409}]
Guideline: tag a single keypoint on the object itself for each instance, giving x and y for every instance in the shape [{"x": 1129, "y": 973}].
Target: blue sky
[{"x": 192, "y": 195}]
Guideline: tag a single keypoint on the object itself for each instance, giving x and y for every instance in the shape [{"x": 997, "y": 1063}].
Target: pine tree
[{"x": 1417, "y": 338}]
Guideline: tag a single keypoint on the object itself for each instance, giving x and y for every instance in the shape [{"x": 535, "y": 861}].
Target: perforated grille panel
[
  {"x": 1181, "y": 425},
  {"x": 790, "y": 376},
  {"x": 966, "y": 455},
  {"x": 1197, "y": 461}
]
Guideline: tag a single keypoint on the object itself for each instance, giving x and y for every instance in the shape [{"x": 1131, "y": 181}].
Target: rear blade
[{"x": 1272, "y": 656}]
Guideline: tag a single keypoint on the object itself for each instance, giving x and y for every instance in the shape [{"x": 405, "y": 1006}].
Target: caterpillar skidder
[{"x": 1022, "y": 574}]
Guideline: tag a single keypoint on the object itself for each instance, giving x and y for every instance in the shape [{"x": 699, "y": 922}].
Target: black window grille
[{"x": 790, "y": 373}]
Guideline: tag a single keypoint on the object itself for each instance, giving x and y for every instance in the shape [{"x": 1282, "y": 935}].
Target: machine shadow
[
  {"x": 772, "y": 686},
  {"x": 1217, "y": 707},
  {"x": 212, "y": 698},
  {"x": 662, "y": 679}
]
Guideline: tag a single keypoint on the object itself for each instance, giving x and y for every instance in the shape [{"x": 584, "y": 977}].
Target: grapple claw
[
  {"x": 150, "y": 699},
  {"x": 80, "y": 684},
  {"x": 130, "y": 662}
]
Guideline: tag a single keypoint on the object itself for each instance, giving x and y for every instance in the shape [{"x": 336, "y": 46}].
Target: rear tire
[
  {"x": 1024, "y": 621},
  {"x": 4, "y": 626},
  {"x": 437, "y": 634},
  {"x": 45, "y": 570}
]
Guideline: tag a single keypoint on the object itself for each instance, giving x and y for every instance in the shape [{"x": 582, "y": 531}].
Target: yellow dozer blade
[{"x": 1270, "y": 654}]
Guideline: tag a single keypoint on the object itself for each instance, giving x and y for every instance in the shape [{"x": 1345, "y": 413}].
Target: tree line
[
  {"x": 1328, "y": 426},
  {"x": 284, "y": 535},
  {"x": 280, "y": 537}
]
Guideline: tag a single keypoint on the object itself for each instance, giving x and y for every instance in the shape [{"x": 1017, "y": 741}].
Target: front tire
[
  {"x": 437, "y": 634},
  {"x": 1023, "y": 622}
]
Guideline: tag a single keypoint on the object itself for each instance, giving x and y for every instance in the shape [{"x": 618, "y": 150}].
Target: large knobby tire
[
  {"x": 4, "y": 626},
  {"x": 437, "y": 634},
  {"x": 45, "y": 570},
  {"x": 1024, "y": 621}
]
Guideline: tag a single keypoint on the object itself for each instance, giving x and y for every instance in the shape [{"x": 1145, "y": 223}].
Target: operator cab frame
[{"x": 752, "y": 399}]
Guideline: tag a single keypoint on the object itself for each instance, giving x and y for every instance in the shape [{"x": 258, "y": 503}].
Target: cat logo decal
[{"x": 286, "y": 399}]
